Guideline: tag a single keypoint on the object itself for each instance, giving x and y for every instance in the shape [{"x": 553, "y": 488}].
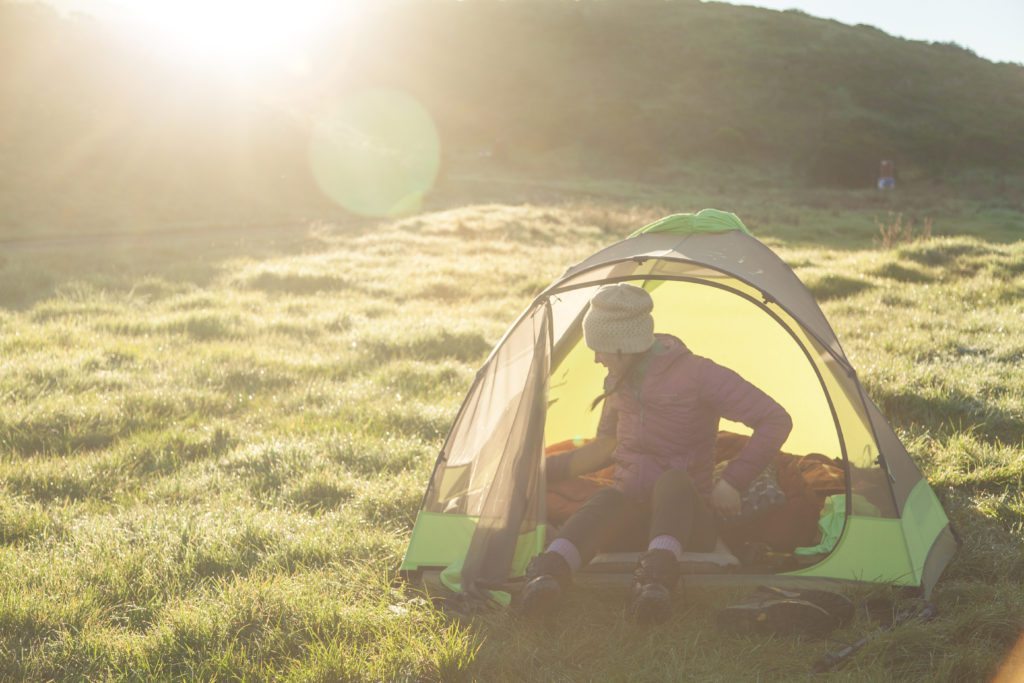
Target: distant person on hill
[
  {"x": 662, "y": 406},
  {"x": 887, "y": 175}
]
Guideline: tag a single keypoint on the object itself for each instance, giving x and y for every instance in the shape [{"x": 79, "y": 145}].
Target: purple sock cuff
[
  {"x": 567, "y": 549},
  {"x": 666, "y": 542}
]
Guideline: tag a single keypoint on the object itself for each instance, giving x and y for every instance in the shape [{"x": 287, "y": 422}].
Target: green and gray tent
[{"x": 730, "y": 298}]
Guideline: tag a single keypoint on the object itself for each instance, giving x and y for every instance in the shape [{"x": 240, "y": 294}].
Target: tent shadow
[{"x": 955, "y": 409}]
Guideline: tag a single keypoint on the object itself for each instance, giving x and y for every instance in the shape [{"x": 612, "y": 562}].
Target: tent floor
[
  {"x": 719, "y": 561},
  {"x": 615, "y": 570},
  {"x": 691, "y": 563},
  {"x": 616, "y": 573}
]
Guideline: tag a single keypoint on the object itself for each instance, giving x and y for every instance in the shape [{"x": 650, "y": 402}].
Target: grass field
[{"x": 212, "y": 447}]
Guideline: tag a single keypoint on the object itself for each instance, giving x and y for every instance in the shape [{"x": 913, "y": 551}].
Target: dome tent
[{"x": 729, "y": 297}]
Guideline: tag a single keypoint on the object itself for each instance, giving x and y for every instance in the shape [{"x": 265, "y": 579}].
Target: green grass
[{"x": 211, "y": 458}]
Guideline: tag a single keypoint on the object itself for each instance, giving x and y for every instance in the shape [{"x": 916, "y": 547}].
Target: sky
[{"x": 993, "y": 29}]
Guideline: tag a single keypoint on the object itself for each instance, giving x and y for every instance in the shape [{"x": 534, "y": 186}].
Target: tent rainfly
[{"x": 730, "y": 298}]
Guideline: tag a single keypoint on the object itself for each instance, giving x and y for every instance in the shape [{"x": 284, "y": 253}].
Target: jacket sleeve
[
  {"x": 734, "y": 398},
  {"x": 588, "y": 458}
]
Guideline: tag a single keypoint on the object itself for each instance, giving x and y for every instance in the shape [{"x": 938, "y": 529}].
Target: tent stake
[{"x": 836, "y": 658}]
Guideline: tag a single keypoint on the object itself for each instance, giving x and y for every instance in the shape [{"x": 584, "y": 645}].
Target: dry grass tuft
[{"x": 896, "y": 231}]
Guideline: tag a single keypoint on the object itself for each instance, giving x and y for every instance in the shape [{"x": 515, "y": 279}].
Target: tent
[{"x": 730, "y": 298}]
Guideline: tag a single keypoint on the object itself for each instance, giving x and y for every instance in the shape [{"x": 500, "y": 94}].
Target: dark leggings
[{"x": 612, "y": 521}]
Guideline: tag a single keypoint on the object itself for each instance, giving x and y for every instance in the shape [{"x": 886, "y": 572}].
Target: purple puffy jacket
[{"x": 667, "y": 418}]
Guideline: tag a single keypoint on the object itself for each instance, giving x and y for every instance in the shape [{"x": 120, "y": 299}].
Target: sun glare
[{"x": 230, "y": 33}]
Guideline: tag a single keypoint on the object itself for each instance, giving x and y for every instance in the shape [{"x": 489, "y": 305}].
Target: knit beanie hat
[{"x": 619, "y": 320}]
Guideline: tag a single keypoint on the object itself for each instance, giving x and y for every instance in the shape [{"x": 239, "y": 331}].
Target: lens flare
[
  {"x": 229, "y": 34},
  {"x": 376, "y": 153},
  {"x": 1012, "y": 667}
]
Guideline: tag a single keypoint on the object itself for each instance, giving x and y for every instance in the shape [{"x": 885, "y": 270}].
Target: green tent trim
[
  {"x": 868, "y": 544},
  {"x": 442, "y": 540},
  {"x": 705, "y": 220}
]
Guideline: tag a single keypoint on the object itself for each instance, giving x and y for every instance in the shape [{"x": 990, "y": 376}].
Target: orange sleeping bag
[{"x": 806, "y": 481}]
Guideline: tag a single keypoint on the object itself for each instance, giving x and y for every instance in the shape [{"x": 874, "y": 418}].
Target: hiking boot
[
  {"x": 654, "y": 579},
  {"x": 547, "y": 576}
]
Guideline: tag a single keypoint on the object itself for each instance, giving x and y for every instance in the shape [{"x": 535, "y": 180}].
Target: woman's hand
[{"x": 725, "y": 499}]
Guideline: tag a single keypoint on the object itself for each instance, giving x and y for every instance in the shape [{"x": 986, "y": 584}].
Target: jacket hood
[{"x": 668, "y": 349}]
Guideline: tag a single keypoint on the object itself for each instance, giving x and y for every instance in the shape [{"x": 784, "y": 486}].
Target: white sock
[
  {"x": 666, "y": 542},
  {"x": 567, "y": 549}
]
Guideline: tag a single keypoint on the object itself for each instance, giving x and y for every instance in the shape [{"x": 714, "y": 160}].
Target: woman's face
[{"x": 615, "y": 362}]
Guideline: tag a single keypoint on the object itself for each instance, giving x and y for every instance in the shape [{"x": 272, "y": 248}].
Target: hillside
[{"x": 100, "y": 131}]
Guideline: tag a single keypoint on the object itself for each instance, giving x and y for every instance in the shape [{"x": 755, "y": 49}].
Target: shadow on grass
[
  {"x": 988, "y": 525},
  {"x": 72, "y": 433},
  {"x": 23, "y": 521},
  {"x": 981, "y": 605},
  {"x": 831, "y": 287},
  {"x": 956, "y": 410},
  {"x": 315, "y": 494},
  {"x": 902, "y": 273},
  {"x": 54, "y": 487},
  {"x": 432, "y": 345},
  {"x": 297, "y": 283},
  {"x": 148, "y": 266},
  {"x": 928, "y": 253}
]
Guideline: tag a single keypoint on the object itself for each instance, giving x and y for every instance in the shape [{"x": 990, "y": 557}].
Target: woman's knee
[
  {"x": 608, "y": 498},
  {"x": 600, "y": 516}
]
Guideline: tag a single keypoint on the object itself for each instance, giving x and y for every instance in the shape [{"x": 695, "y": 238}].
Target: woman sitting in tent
[{"x": 662, "y": 406}]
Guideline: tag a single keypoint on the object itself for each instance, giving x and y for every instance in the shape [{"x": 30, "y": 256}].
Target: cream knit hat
[{"x": 619, "y": 320}]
